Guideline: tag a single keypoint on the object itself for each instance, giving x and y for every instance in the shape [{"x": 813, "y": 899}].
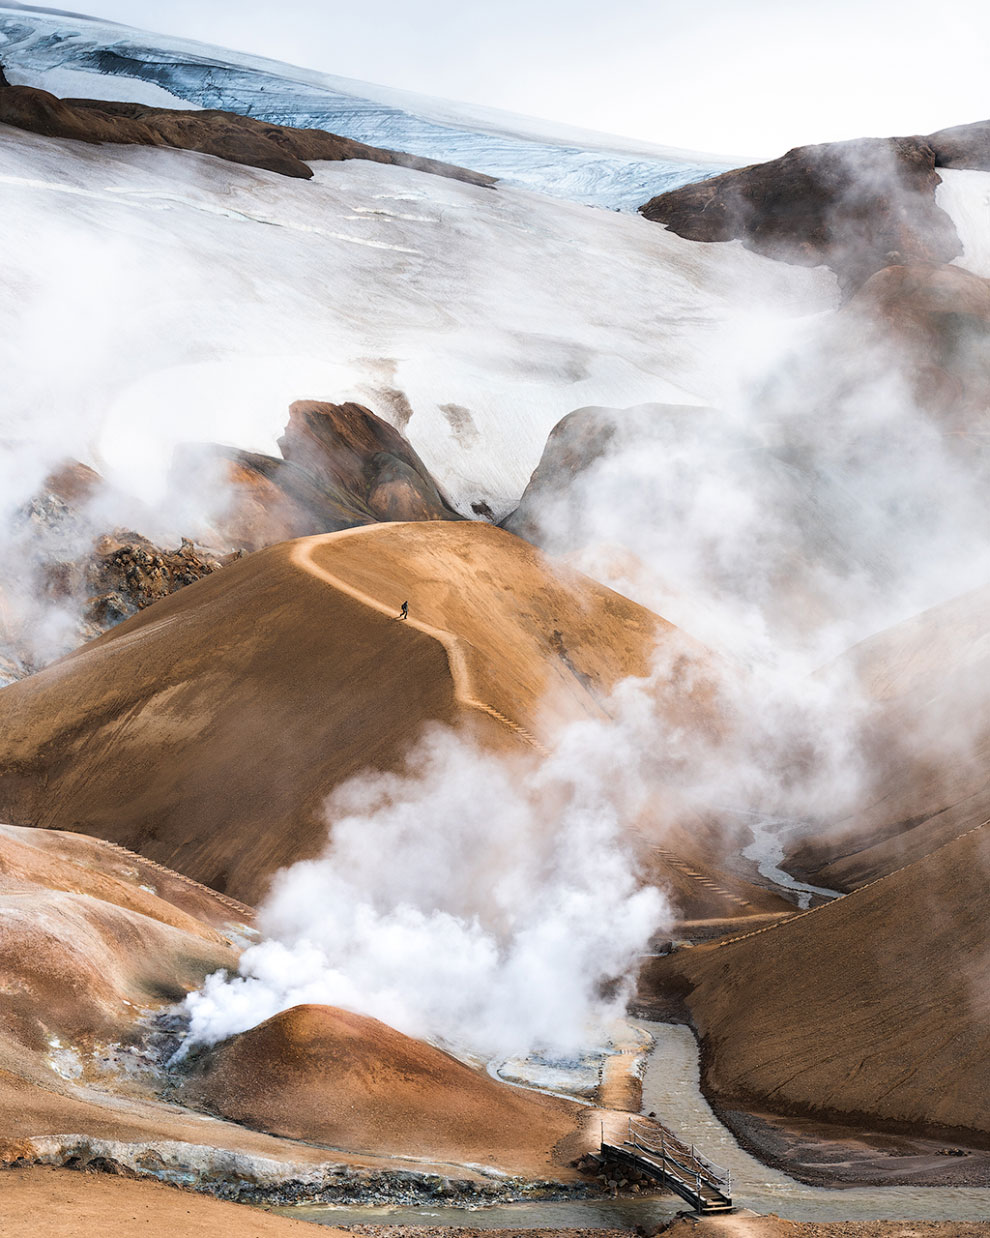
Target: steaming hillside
[
  {"x": 873, "y": 1007},
  {"x": 340, "y": 1079},
  {"x": 206, "y": 711},
  {"x": 98, "y": 945},
  {"x": 927, "y": 734},
  {"x": 469, "y": 824},
  {"x": 81, "y": 56}
]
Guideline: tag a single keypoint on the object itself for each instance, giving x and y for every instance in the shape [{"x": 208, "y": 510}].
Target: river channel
[{"x": 671, "y": 1088}]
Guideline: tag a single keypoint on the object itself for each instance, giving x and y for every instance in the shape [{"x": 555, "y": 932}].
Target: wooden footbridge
[{"x": 653, "y": 1152}]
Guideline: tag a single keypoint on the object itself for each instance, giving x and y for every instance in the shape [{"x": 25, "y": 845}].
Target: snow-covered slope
[
  {"x": 68, "y": 55},
  {"x": 965, "y": 197},
  {"x": 157, "y": 296}
]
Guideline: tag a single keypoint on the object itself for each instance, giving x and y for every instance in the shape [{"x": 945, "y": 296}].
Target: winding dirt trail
[{"x": 460, "y": 670}]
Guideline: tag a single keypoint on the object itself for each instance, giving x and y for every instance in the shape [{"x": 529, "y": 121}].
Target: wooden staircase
[{"x": 653, "y": 1151}]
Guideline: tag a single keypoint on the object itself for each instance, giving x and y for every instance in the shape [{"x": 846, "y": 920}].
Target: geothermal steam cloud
[{"x": 470, "y": 898}]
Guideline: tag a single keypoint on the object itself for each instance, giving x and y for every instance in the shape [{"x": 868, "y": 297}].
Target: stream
[
  {"x": 671, "y": 1088},
  {"x": 767, "y": 850}
]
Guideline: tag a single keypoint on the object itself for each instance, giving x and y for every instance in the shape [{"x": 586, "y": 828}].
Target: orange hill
[
  {"x": 873, "y": 1007},
  {"x": 347, "y": 1081},
  {"x": 91, "y": 935},
  {"x": 207, "y": 731}
]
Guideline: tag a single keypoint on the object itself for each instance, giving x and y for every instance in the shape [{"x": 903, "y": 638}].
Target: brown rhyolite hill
[
  {"x": 342, "y": 466},
  {"x": 225, "y": 135},
  {"x": 348, "y": 1081},
  {"x": 207, "y": 731},
  {"x": 856, "y": 207},
  {"x": 873, "y": 1007}
]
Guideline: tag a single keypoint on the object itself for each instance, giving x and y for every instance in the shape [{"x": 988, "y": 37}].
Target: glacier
[{"x": 87, "y": 57}]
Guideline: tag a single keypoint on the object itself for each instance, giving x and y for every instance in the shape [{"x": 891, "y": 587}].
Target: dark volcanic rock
[
  {"x": 226, "y": 135},
  {"x": 127, "y": 573},
  {"x": 854, "y": 206}
]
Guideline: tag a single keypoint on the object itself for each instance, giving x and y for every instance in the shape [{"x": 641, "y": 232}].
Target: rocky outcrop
[
  {"x": 347, "y": 449},
  {"x": 91, "y": 581},
  {"x": 127, "y": 573},
  {"x": 226, "y": 135},
  {"x": 853, "y": 206},
  {"x": 962, "y": 146}
]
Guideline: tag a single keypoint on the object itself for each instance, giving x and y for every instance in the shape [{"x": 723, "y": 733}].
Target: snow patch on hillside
[
  {"x": 158, "y": 296},
  {"x": 965, "y": 198}
]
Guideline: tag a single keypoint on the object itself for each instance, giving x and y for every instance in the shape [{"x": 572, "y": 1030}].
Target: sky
[{"x": 725, "y": 76}]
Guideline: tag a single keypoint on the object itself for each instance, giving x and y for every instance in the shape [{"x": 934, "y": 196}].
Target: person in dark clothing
[
  {"x": 404, "y": 612},
  {"x": 3, "y": 78}
]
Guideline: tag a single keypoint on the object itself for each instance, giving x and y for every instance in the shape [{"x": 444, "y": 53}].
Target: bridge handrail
[
  {"x": 669, "y": 1138},
  {"x": 691, "y": 1174},
  {"x": 648, "y": 1136}
]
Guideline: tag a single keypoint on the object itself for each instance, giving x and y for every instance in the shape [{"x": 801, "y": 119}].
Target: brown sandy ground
[
  {"x": 61, "y": 1203},
  {"x": 869, "y": 1010},
  {"x": 67, "y": 1204}
]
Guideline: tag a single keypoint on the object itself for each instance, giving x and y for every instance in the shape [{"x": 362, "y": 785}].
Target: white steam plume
[{"x": 490, "y": 902}]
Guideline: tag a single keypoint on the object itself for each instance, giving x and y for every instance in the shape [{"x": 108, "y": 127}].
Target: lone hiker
[{"x": 404, "y": 612}]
